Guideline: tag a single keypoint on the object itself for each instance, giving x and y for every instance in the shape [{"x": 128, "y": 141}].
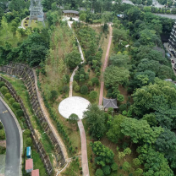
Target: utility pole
[{"x": 36, "y": 11}]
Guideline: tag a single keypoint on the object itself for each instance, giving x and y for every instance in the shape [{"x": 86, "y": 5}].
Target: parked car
[
  {"x": 172, "y": 61},
  {"x": 168, "y": 55},
  {"x": 174, "y": 66},
  {"x": 173, "y": 53}
]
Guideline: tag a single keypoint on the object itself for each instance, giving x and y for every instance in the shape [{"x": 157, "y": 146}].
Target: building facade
[{"x": 172, "y": 40}]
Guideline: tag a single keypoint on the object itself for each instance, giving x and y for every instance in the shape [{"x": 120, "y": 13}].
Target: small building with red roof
[
  {"x": 29, "y": 165},
  {"x": 35, "y": 172}
]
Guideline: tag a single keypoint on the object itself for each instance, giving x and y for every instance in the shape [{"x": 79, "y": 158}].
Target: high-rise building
[
  {"x": 172, "y": 40},
  {"x": 36, "y": 11}
]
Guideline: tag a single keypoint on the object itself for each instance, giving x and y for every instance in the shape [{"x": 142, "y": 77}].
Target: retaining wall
[{"x": 26, "y": 74}]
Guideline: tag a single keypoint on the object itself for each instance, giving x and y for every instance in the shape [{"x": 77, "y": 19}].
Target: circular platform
[{"x": 70, "y": 105}]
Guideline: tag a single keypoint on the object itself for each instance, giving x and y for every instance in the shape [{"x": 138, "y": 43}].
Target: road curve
[{"x": 13, "y": 142}]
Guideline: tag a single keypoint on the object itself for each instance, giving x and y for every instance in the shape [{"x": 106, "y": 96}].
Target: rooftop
[
  {"x": 110, "y": 103},
  {"x": 71, "y": 11},
  {"x": 35, "y": 172},
  {"x": 29, "y": 164}
]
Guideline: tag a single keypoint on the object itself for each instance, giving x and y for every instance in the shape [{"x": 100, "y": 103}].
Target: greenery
[
  {"x": 73, "y": 59},
  {"x": 95, "y": 121},
  {"x": 142, "y": 127},
  {"x": 104, "y": 158}
]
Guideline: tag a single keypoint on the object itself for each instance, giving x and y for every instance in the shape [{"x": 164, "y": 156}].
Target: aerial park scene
[{"x": 87, "y": 88}]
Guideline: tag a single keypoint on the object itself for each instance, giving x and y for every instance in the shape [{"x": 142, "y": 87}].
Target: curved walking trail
[
  {"x": 105, "y": 65},
  {"x": 14, "y": 141},
  {"x": 85, "y": 167},
  {"x": 49, "y": 121}
]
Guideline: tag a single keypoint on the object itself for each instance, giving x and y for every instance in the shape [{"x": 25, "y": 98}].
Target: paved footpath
[
  {"x": 84, "y": 158},
  {"x": 85, "y": 167},
  {"x": 105, "y": 65}
]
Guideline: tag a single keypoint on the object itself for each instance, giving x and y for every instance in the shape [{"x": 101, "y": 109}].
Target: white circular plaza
[{"x": 70, "y": 105}]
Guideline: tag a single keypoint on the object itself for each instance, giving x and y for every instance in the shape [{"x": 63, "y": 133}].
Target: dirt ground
[{"x": 3, "y": 143}]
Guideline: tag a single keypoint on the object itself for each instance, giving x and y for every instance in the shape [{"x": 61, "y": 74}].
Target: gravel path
[{"x": 105, "y": 65}]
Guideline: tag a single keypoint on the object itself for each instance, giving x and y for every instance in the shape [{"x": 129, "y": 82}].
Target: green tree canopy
[
  {"x": 95, "y": 121},
  {"x": 115, "y": 75},
  {"x": 120, "y": 60},
  {"x": 140, "y": 131},
  {"x": 104, "y": 155},
  {"x": 158, "y": 98},
  {"x": 73, "y": 59},
  {"x": 119, "y": 34},
  {"x": 114, "y": 133},
  {"x": 154, "y": 162},
  {"x": 166, "y": 143}
]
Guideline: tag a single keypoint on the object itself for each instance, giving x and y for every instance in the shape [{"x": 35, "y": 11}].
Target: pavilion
[{"x": 110, "y": 103}]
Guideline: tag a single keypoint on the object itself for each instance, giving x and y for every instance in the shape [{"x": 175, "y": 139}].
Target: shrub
[
  {"x": 124, "y": 113},
  {"x": 8, "y": 95},
  {"x": 65, "y": 89},
  {"x": 136, "y": 162},
  {"x": 106, "y": 170},
  {"x": 123, "y": 107},
  {"x": 16, "y": 105},
  {"x": 27, "y": 133},
  {"x": 76, "y": 88},
  {"x": 73, "y": 118},
  {"x": 84, "y": 89},
  {"x": 2, "y": 150},
  {"x": 2, "y": 134},
  {"x": 29, "y": 141},
  {"x": 99, "y": 172},
  {"x": 19, "y": 113},
  {"x": 2, "y": 84},
  {"x": 4, "y": 90},
  {"x": 11, "y": 100},
  {"x": 114, "y": 167},
  {"x": 120, "y": 97},
  {"x": 95, "y": 81},
  {"x": 93, "y": 95},
  {"x": 53, "y": 95},
  {"x": 1, "y": 126}
]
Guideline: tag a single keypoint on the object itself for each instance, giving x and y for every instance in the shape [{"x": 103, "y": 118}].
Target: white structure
[
  {"x": 36, "y": 11},
  {"x": 76, "y": 105}
]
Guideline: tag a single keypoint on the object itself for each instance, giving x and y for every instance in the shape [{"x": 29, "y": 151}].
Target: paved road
[
  {"x": 166, "y": 15},
  {"x": 105, "y": 65},
  {"x": 12, "y": 142}
]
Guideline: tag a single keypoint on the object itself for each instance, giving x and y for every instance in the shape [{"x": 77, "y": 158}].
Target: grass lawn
[
  {"x": 71, "y": 129},
  {"x": 22, "y": 92},
  {"x": 73, "y": 169}
]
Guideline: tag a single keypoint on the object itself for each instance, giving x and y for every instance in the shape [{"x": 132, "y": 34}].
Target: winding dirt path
[{"x": 105, "y": 65}]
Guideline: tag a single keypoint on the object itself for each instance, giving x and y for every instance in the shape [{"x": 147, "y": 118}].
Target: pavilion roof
[{"x": 110, "y": 103}]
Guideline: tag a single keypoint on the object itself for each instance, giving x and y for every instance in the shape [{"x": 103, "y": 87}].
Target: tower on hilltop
[{"x": 36, "y": 11}]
